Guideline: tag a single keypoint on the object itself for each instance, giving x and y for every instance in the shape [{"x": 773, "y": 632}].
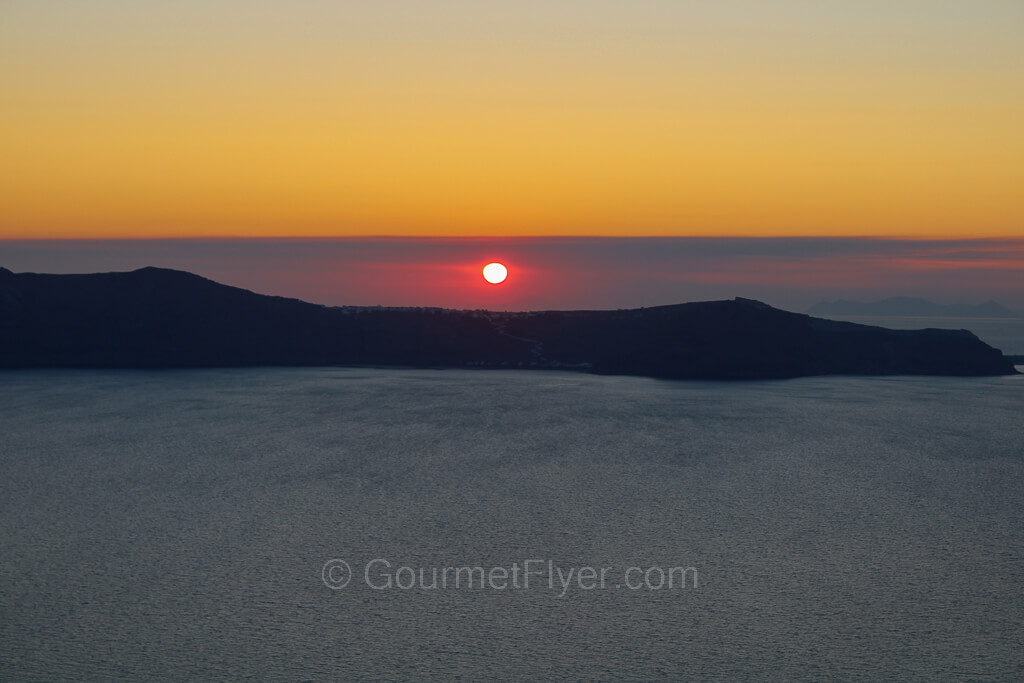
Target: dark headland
[{"x": 158, "y": 318}]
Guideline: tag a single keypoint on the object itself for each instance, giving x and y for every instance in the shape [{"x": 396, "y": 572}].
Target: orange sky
[{"x": 129, "y": 119}]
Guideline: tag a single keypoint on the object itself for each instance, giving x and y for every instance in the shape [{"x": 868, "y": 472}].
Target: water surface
[{"x": 174, "y": 525}]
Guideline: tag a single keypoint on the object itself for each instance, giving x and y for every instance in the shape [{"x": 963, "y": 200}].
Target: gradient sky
[
  {"x": 135, "y": 118},
  {"x": 564, "y": 272}
]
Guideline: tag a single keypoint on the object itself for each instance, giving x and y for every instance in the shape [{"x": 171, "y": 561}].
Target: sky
[
  {"x": 565, "y": 136},
  {"x": 137, "y": 118},
  {"x": 564, "y": 272}
]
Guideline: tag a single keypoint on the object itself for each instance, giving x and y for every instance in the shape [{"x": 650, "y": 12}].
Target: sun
[{"x": 495, "y": 273}]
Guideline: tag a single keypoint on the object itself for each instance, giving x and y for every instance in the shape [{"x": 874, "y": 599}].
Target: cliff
[{"x": 158, "y": 318}]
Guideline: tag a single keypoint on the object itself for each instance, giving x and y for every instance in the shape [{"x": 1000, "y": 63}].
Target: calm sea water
[{"x": 175, "y": 525}]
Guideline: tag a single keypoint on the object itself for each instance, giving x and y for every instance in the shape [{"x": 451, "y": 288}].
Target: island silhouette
[{"x": 161, "y": 318}]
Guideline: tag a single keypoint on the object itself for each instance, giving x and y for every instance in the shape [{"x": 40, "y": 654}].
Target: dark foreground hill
[{"x": 157, "y": 318}]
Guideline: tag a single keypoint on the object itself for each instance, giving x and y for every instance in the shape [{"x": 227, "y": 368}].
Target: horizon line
[{"x": 522, "y": 237}]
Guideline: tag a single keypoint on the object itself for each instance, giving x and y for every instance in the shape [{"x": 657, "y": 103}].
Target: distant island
[
  {"x": 160, "y": 318},
  {"x": 910, "y": 307}
]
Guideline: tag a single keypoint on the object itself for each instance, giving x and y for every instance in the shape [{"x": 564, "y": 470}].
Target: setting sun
[{"x": 495, "y": 273}]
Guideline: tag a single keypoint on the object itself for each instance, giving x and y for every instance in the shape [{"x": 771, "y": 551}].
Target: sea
[{"x": 299, "y": 524}]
